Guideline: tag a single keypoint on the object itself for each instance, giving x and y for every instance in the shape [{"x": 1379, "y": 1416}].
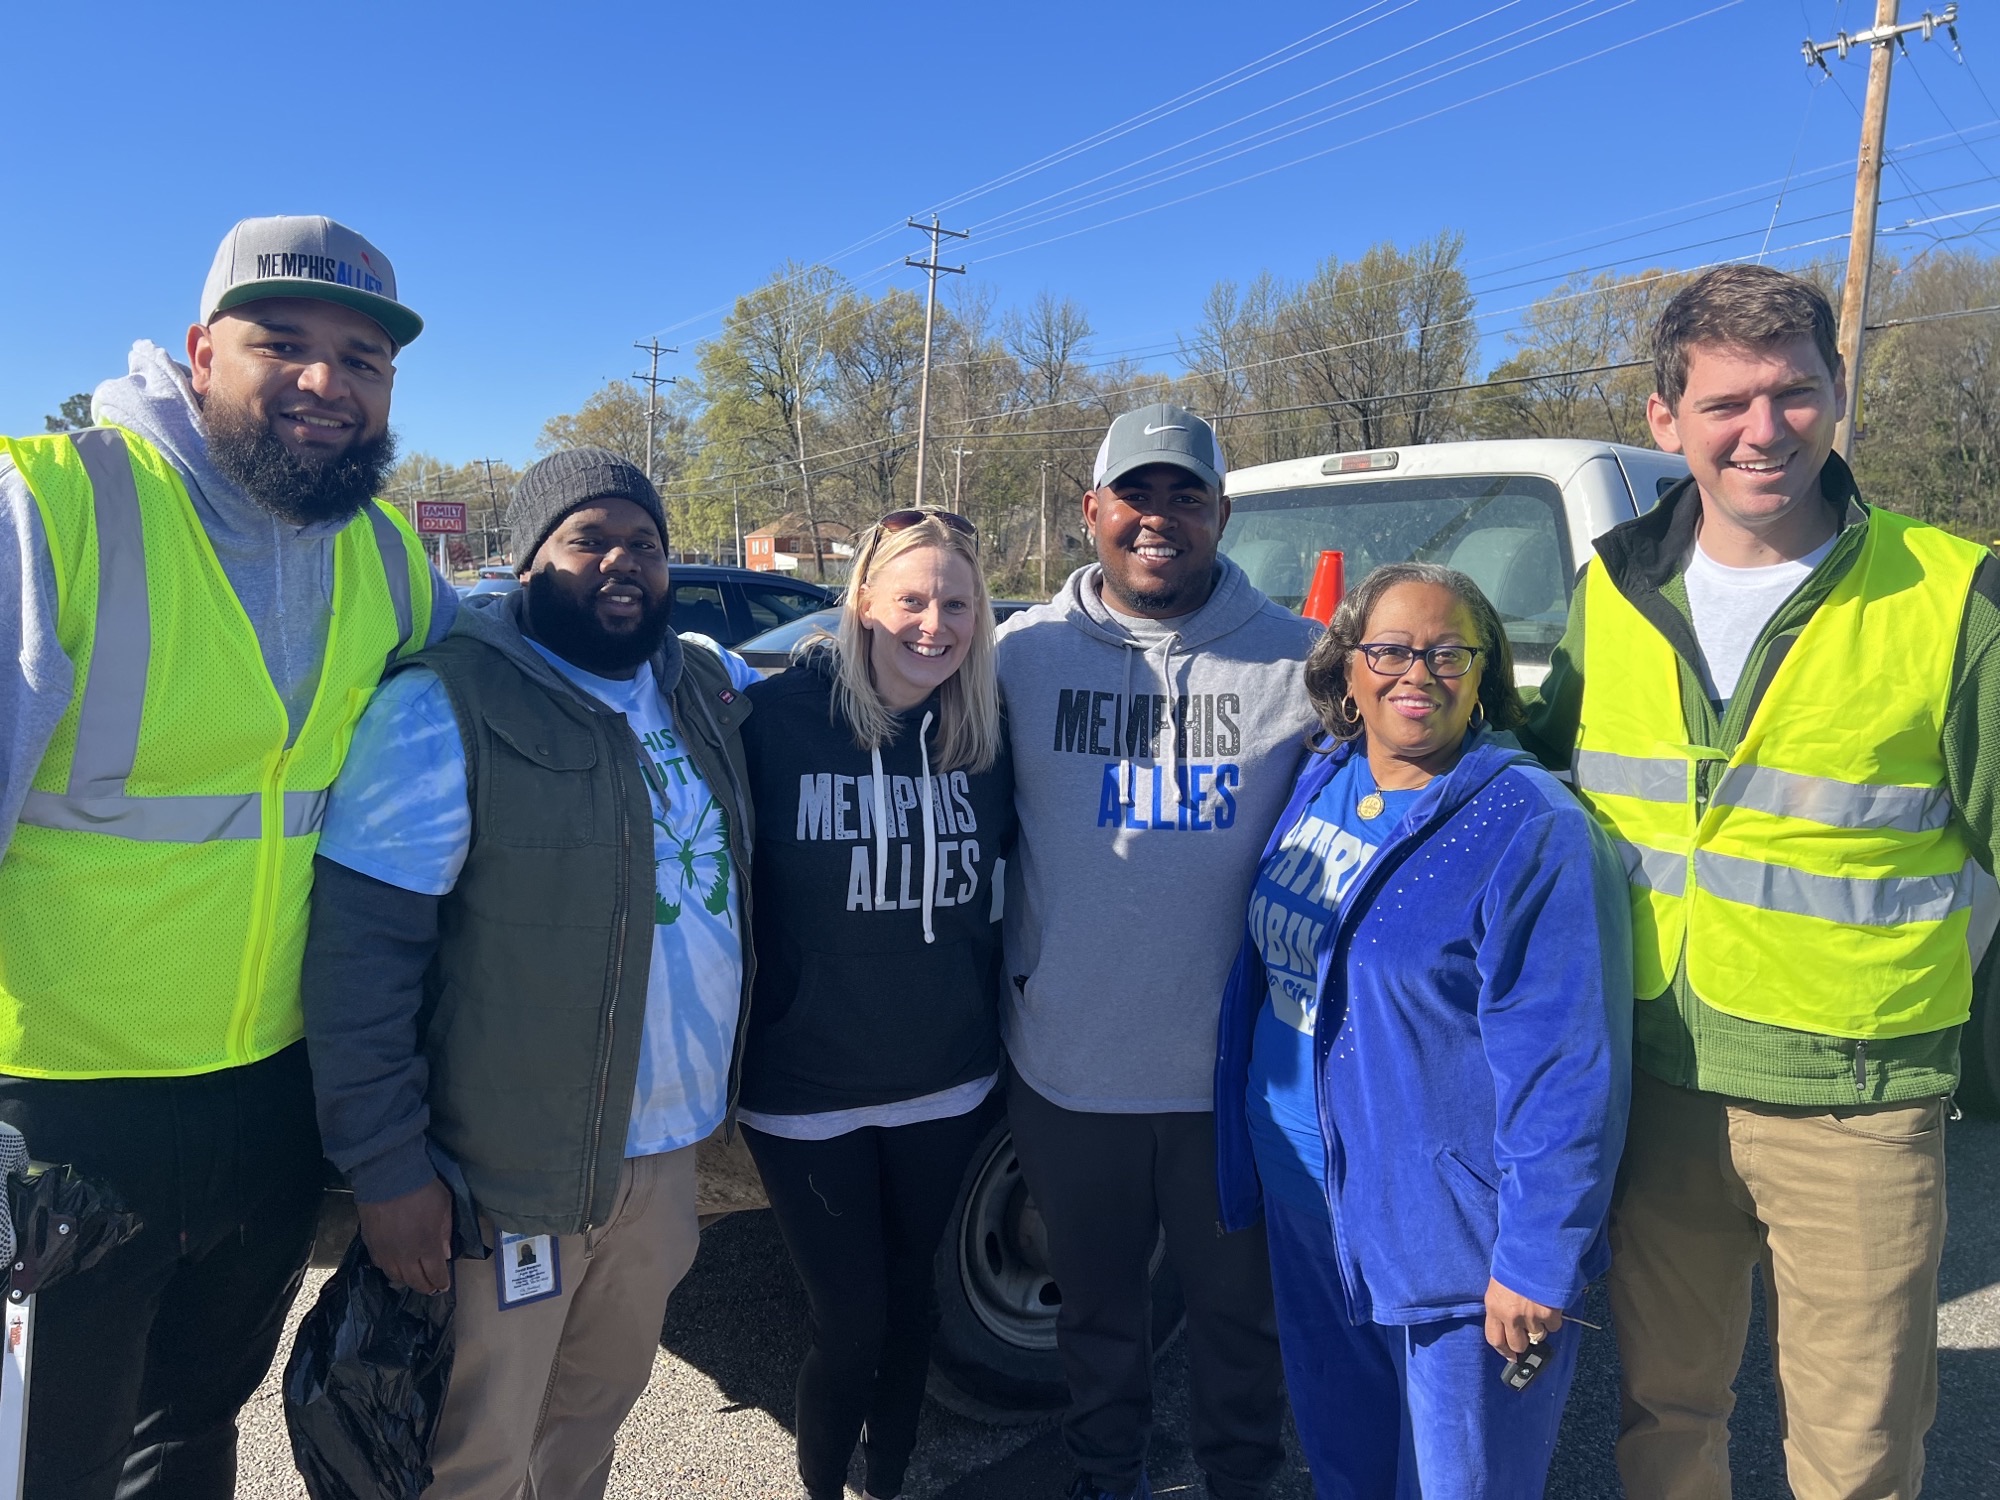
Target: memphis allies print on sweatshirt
[
  {"x": 1189, "y": 789},
  {"x": 842, "y": 808}
]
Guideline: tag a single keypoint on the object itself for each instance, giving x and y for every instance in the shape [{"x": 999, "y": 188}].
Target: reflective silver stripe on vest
[
  {"x": 172, "y": 820},
  {"x": 1888, "y": 902},
  {"x": 114, "y": 691},
  {"x": 396, "y": 564},
  {"x": 1650, "y": 780},
  {"x": 1653, "y": 869},
  {"x": 1838, "y": 804}
]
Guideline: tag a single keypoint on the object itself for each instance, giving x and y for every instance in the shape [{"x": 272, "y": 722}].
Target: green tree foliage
[
  {"x": 73, "y": 416},
  {"x": 1928, "y": 438}
]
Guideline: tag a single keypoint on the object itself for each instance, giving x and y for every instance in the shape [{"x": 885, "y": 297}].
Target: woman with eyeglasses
[
  {"x": 883, "y": 795},
  {"x": 1425, "y": 1056}
]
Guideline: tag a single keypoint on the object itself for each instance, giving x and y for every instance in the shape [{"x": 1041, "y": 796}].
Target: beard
[
  {"x": 298, "y": 491},
  {"x": 571, "y": 629}
]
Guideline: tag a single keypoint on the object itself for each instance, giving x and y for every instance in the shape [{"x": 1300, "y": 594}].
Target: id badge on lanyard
[{"x": 529, "y": 1269}]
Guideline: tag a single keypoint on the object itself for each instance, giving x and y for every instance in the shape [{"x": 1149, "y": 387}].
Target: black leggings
[{"x": 861, "y": 1215}]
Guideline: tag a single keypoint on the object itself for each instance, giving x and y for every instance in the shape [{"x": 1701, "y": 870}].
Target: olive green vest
[{"x": 536, "y": 1000}]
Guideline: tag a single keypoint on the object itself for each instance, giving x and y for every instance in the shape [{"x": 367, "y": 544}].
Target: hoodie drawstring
[
  {"x": 1167, "y": 756},
  {"x": 881, "y": 831},
  {"x": 882, "y": 827},
  {"x": 1125, "y": 740},
  {"x": 930, "y": 825}
]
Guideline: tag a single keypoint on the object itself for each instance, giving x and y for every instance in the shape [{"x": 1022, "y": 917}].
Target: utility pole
[
  {"x": 492, "y": 508},
  {"x": 1881, "y": 39},
  {"x": 1045, "y": 528},
  {"x": 736, "y": 505},
  {"x": 932, "y": 269},
  {"x": 653, "y": 380}
]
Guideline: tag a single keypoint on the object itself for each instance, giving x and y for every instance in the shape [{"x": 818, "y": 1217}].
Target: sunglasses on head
[{"x": 903, "y": 520}]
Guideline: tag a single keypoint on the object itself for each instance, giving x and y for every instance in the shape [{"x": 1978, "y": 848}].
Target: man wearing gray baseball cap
[
  {"x": 177, "y": 697},
  {"x": 1157, "y": 713}
]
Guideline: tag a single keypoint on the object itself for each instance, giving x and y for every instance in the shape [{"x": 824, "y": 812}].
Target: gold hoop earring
[{"x": 1350, "y": 710}]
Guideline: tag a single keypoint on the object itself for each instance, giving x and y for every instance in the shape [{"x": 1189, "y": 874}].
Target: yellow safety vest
[
  {"x": 1827, "y": 885},
  {"x": 153, "y": 896}
]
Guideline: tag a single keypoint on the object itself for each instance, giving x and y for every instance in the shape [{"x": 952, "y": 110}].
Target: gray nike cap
[
  {"x": 1159, "y": 434},
  {"x": 306, "y": 255}
]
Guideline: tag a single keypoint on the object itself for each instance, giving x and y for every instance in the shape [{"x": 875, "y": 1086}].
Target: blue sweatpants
[{"x": 1412, "y": 1412}]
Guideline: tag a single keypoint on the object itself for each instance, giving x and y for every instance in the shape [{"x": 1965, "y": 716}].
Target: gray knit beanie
[{"x": 558, "y": 484}]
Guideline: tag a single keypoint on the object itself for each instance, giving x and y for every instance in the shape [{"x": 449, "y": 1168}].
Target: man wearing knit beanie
[{"x": 525, "y": 981}]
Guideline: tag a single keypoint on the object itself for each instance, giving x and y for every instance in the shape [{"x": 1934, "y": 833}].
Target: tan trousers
[
  {"x": 1844, "y": 1211},
  {"x": 538, "y": 1392}
]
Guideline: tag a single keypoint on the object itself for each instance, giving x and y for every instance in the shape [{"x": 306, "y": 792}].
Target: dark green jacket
[
  {"x": 1676, "y": 1036},
  {"x": 536, "y": 999}
]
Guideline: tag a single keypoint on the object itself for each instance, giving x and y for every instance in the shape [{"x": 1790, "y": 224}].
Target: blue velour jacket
[{"x": 1474, "y": 1039}]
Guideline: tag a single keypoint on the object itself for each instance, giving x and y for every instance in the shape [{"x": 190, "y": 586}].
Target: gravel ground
[{"x": 714, "y": 1420}]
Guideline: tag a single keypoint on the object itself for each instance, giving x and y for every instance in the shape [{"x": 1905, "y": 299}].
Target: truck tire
[
  {"x": 994, "y": 1358},
  {"x": 1979, "y": 1043}
]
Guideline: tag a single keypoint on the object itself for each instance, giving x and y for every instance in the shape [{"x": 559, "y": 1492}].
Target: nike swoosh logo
[{"x": 1170, "y": 427}]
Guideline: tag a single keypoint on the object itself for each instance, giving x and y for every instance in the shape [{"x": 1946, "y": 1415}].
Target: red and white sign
[{"x": 441, "y": 517}]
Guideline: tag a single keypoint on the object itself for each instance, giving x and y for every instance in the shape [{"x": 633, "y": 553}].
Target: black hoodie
[{"x": 865, "y": 993}]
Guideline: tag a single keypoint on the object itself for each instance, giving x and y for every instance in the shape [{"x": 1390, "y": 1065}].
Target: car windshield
[
  {"x": 1505, "y": 531},
  {"x": 784, "y": 637}
]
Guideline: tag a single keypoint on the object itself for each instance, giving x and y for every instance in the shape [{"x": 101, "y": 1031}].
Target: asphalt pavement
[{"x": 715, "y": 1421}]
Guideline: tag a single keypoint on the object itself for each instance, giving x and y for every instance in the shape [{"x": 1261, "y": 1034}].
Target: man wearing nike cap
[
  {"x": 175, "y": 698},
  {"x": 1157, "y": 713}
]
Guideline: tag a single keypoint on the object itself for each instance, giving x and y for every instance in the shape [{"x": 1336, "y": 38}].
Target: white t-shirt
[
  {"x": 695, "y": 991},
  {"x": 1731, "y": 607}
]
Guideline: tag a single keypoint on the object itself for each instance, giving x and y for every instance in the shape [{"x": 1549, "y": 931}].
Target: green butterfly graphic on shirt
[{"x": 699, "y": 863}]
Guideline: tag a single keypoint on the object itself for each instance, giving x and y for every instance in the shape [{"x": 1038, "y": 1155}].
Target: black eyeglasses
[{"x": 1444, "y": 661}]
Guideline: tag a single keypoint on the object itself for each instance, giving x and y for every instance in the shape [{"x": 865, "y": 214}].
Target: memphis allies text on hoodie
[
  {"x": 878, "y": 959},
  {"x": 1151, "y": 759}
]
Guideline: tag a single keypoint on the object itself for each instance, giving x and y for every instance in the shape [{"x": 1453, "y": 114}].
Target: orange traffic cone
[{"x": 1329, "y": 583}]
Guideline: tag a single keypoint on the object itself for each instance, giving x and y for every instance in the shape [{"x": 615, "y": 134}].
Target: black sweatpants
[
  {"x": 861, "y": 1215},
  {"x": 1105, "y": 1184},
  {"x": 141, "y": 1364}
]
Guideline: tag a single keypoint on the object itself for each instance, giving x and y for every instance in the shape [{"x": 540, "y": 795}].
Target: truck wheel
[
  {"x": 994, "y": 1357},
  {"x": 1979, "y": 1043}
]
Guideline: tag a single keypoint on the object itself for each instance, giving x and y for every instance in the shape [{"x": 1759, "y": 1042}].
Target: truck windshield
[{"x": 1504, "y": 530}]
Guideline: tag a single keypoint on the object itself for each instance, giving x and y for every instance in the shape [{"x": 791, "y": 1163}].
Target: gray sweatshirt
[
  {"x": 282, "y": 574},
  {"x": 1127, "y": 890}
]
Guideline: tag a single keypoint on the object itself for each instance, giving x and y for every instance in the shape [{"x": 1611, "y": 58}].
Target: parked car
[
  {"x": 499, "y": 580},
  {"x": 730, "y": 605}
]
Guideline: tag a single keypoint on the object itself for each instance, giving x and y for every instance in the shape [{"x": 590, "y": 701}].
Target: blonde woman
[{"x": 883, "y": 793}]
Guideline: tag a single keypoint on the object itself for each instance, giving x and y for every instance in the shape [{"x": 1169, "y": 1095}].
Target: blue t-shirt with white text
[{"x": 1297, "y": 895}]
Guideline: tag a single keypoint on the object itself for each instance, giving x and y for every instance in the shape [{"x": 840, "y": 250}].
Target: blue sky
[{"x": 553, "y": 183}]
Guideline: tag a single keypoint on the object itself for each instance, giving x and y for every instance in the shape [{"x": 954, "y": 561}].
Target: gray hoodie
[
  {"x": 1138, "y": 844},
  {"x": 282, "y": 574}
]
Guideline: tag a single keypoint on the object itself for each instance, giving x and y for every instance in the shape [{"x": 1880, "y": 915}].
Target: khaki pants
[
  {"x": 1844, "y": 1211},
  {"x": 538, "y": 1392}
]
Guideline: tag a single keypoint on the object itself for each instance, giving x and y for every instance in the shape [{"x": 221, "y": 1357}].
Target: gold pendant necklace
[{"x": 1370, "y": 806}]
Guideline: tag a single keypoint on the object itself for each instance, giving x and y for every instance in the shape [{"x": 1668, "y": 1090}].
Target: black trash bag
[
  {"x": 366, "y": 1383},
  {"x": 63, "y": 1224}
]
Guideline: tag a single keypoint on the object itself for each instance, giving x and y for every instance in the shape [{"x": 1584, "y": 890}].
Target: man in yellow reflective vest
[
  {"x": 1772, "y": 696},
  {"x": 197, "y": 597}
]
